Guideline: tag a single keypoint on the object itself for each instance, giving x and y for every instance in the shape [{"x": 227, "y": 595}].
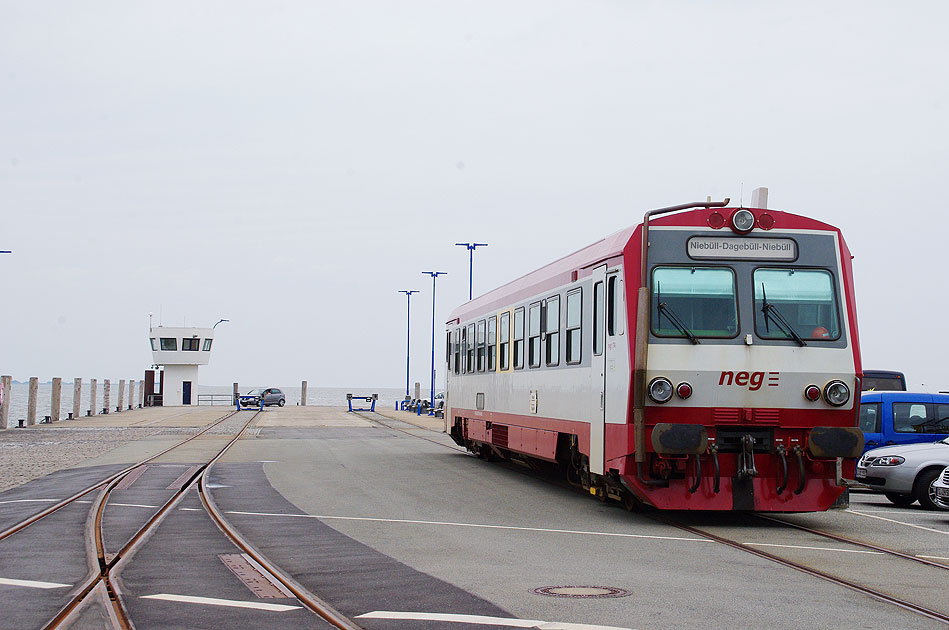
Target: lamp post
[
  {"x": 434, "y": 275},
  {"x": 471, "y": 247},
  {"x": 408, "y": 310}
]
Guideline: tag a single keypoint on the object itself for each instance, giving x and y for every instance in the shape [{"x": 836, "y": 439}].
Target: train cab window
[
  {"x": 504, "y": 348},
  {"x": 519, "y": 338},
  {"x": 492, "y": 343},
  {"x": 614, "y": 309},
  {"x": 552, "y": 330},
  {"x": 457, "y": 351},
  {"x": 169, "y": 344},
  {"x": 470, "y": 362},
  {"x": 574, "y": 330},
  {"x": 598, "y": 318},
  {"x": 533, "y": 335},
  {"x": 481, "y": 346},
  {"x": 798, "y": 304},
  {"x": 694, "y": 302}
]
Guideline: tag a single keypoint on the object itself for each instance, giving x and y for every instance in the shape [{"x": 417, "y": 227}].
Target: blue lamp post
[
  {"x": 434, "y": 275},
  {"x": 471, "y": 247},
  {"x": 408, "y": 310}
]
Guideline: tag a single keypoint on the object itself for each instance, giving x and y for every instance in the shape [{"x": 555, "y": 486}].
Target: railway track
[
  {"x": 676, "y": 522},
  {"x": 101, "y": 583}
]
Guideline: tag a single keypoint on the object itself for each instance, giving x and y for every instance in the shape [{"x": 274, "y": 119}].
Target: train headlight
[
  {"x": 836, "y": 393},
  {"x": 742, "y": 221},
  {"x": 660, "y": 389},
  {"x": 812, "y": 393}
]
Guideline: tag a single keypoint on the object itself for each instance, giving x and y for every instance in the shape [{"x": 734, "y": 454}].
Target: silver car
[
  {"x": 941, "y": 488},
  {"x": 905, "y": 473}
]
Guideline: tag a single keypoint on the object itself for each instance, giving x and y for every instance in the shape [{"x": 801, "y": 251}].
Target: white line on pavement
[
  {"x": 30, "y": 501},
  {"x": 213, "y": 601},
  {"x": 928, "y": 529},
  {"x": 933, "y": 557},
  {"x": 757, "y": 544},
  {"x": 488, "y": 621},
  {"x": 32, "y": 583},
  {"x": 475, "y": 525}
]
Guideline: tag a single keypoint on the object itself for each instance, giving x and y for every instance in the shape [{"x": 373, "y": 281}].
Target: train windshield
[
  {"x": 694, "y": 302},
  {"x": 798, "y": 304}
]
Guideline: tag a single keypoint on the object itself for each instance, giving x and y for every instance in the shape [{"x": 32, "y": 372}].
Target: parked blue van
[{"x": 888, "y": 418}]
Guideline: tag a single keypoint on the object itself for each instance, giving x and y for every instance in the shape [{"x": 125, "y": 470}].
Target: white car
[{"x": 941, "y": 489}]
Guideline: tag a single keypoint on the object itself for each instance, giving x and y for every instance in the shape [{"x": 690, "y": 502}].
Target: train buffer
[{"x": 371, "y": 399}]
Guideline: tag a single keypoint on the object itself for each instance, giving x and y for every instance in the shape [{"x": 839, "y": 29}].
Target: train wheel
[{"x": 630, "y": 502}]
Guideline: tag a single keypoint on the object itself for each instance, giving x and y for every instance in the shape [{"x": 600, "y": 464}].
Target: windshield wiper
[
  {"x": 772, "y": 313},
  {"x": 662, "y": 307}
]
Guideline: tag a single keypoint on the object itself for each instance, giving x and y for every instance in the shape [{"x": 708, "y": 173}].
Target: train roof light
[
  {"x": 765, "y": 221},
  {"x": 660, "y": 389},
  {"x": 743, "y": 221},
  {"x": 716, "y": 220}
]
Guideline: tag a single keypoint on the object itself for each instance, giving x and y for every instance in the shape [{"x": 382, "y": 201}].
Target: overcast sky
[{"x": 291, "y": 165}]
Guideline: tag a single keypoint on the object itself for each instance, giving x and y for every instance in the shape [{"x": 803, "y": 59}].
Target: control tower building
[{"x": 180, "y": 351}]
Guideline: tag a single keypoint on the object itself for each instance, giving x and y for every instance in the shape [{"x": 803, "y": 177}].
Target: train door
[{"x": 598, "y": 372}]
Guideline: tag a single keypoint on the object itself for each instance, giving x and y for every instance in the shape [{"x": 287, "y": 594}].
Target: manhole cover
[{"x": 581, "y": 592}]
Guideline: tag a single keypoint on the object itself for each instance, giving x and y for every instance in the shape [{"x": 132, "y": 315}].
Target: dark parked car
[{"x": 269, "y": 396}]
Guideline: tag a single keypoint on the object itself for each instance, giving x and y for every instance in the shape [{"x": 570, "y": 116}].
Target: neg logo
[{"x": 753, "y": 380}]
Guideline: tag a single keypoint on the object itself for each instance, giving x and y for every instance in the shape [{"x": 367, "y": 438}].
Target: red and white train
[{"x": 704, "y": 359}]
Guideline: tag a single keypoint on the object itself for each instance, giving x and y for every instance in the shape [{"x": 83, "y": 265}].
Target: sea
[{"x": 317, "y": 396}]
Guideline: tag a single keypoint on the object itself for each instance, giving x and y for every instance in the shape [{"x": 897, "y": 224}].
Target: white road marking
[
  {"x": 213, "y": 601},
  {"x": 488, "y": 621},
  {"x": 32, "y": 583},
  {"x": 757, "y": 544},
  {"x": 132, "y": 505},
  {"x": 890, "y": 520},
  {"x": 932, "y": 557},
  {"x": 475, "y": 525},
  {"x": 30, "y": 501}
]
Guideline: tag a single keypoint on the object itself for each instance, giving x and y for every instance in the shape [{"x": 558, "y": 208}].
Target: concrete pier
[
  {"x": 92, "y": 397},
  {"x": 121, "y": 404},
  {"x": 76, "y": 397},
  {"x": 31, "y": 404},
  {"x": 55, "y": 399},
  {"x": 303, "y": 394},
  {"x": 106, "y": 395},
  {"x": 6, "y": 383}
]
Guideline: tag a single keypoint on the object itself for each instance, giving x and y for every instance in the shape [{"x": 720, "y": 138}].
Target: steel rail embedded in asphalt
[
  {"x": 857, "y": 543},
  {"x": 102, "y": 574},
  {"x": 866, "y": 590},
  {"x": 53, "y": 508}
]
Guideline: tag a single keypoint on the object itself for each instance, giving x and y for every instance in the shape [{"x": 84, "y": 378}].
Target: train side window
[
  {"x": 464, "y": 348},
  {"x": 481, "y": 346},
  {"x": 448, "y": 349},
  {"x": 504, "y": 348},
  {"x": 552, "y": 329},
  {"x": 598, "y": 318},
  {"x": 457, "y": 350},
  {"x": 492, "y": 342},
  {"x": 470, "y": 363},
  {"x": 533, "y": 335},
  {"x": 614, "y": 309},
  {"x": 574, "y": 329},
  {"x": 519, "y": 338}
]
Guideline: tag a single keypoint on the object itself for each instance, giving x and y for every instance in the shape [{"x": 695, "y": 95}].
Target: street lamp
[
  {"x": 434, "y": 275},
  {"x": 471, "y": 247},
  {"x": 408, "y": 310}
]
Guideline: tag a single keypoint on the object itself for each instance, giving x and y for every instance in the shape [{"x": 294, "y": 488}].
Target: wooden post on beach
[
  {"x": 141, "y": 393},
  {"x": 131, "y": 394},
  {"x": 56, "y": 399},
  {"x": 31, "y": 405},
  {"x": 76, "y": 397},
  {"x": 303, "y": 395},
  {"x": 236, "y": 394},
  {"x": 92, "y": 397},
  {"x": 106, "y": 395},
  {"x": 121, "y": 405},
  {"x": 6, "y": 383}
]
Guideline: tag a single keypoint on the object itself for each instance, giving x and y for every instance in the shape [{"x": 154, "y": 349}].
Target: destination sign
[{"x": 731, "y": 248}]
